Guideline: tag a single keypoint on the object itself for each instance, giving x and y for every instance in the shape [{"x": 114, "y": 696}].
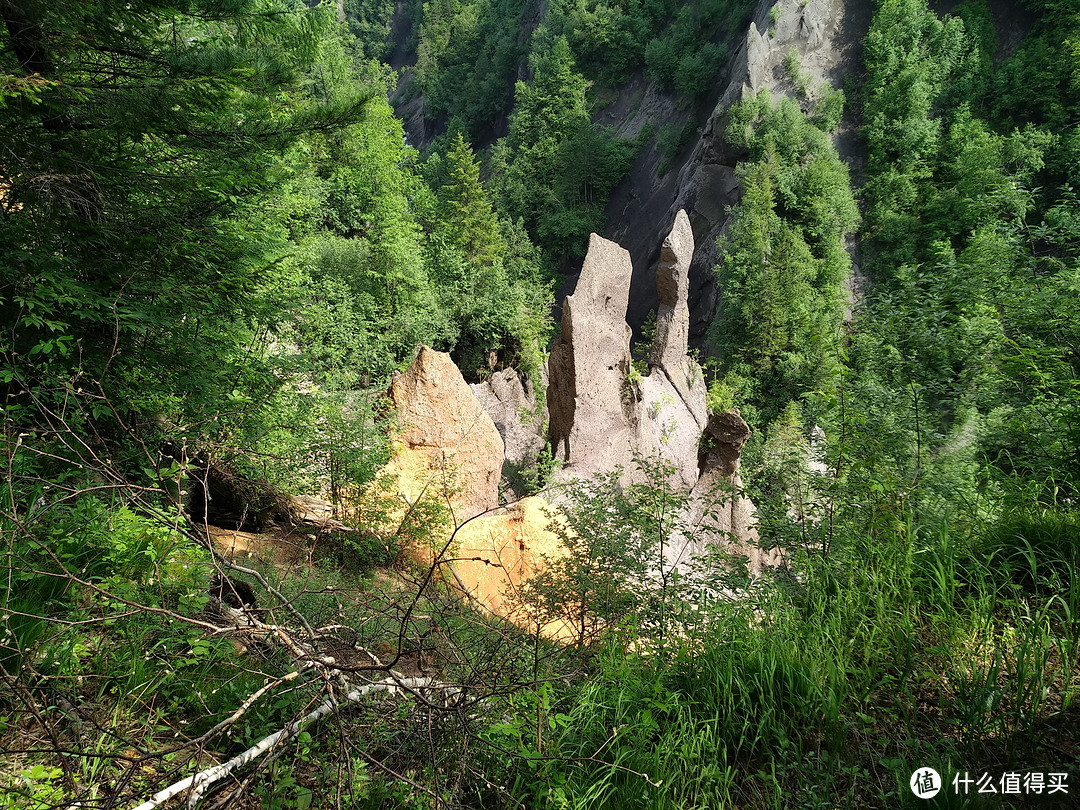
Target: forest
[{"x": 218, "y": 249}]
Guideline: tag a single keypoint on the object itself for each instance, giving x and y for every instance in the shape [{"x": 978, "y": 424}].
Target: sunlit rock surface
[{"x": 445, "y": 431}]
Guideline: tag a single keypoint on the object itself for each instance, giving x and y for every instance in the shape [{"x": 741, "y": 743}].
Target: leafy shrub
[{"x": 670, "y": 140}]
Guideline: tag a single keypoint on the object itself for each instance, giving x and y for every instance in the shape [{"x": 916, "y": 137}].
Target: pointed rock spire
[
  {"x": 673, "y": 289},
  {"x": 589, "y": 365}
]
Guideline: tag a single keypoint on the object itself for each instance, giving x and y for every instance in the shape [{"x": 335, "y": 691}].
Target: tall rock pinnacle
[
  {"x": 673, "y": 288},
  {"x": 588, "y": 368}
]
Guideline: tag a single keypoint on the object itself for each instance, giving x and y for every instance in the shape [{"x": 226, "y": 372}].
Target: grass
[
  {"x": 904, "y": 647},
  {"x": 832, "y": 691}
]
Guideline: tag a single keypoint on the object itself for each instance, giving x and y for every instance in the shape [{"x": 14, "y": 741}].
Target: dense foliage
[
  {"x": 972, "y": 220},
  {"x": 216, "y": 247},
  {"x": 554, "y": 169},
  {"x": 240, "y": 168},
  {"x": 783, "y": 263},
  {"x": 469, "y": 53}
]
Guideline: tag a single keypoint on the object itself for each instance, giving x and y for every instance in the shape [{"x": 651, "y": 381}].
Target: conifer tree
[
  {"x": 140, "y": 141},
  {"x": 465, "y": 210}
]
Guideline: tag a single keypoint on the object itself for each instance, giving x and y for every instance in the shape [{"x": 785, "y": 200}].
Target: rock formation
[
  {"x": 588, "y": 398},
  {"x": 446, "y": 433},
  {"x": 725, "y": 516},
  {"x": 669, "y": 418},
  {"x": 601, "y": 416},
  {"x": 827, "y": 35},
  {"x": 726, "y": 434},
  {"x": 672, "y": 408},
  {"x": 672, "y": 289},
  {"x": 511, "y": 402},
  {"x": 601, "y": 419},
  {"x": 447, "y": 440}
]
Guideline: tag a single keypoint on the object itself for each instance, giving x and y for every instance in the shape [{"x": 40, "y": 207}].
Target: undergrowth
[{"x": 831, "y": 688}]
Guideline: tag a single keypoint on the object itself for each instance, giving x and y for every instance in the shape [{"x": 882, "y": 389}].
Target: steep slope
[
  {"x": 683, "y": 160},
  {"x": 827, "y": 35}
]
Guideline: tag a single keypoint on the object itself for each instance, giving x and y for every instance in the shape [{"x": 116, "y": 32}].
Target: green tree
[
  {"x": 624, "y": 570},
  {"x": 555, "y": 169},
  {"x": 783, "y": 262},
  {"x": 136, "y": 241},
  {"x": 464, "y": 209}
]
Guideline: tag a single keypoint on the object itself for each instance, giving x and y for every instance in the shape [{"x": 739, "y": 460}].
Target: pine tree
[
  {"x": 465, "y": 210},
  {"x": 141, "y": 144}
]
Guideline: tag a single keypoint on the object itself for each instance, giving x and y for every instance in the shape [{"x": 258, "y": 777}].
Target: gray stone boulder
[
  {"x": 723, "y": 516},
  {"x": 589, "y": 399},
  {"x": 510, "y": 401},
  {"x": 725, "y": 436}
]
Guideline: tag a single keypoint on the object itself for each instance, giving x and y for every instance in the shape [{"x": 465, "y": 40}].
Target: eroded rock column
[
  {"x": 672, "y": 410},
  {"x": 590, "y": 365},
  {"x": 673, "y": 290},
  {"x": 445, "y": 432}
]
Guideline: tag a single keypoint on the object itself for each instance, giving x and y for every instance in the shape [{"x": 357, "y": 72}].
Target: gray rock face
[
  {"x": 672, "y": 288},
  {"x": 600, "y": 419},
  {"x": 827, "y": 34},
  {"x": 670, "y": 417},
  {"x": 757, "y": 56},
  {"x": 590, "y": 365},
  {"x": 809, "y": 27},
  {"x": 511, "y": 403},
  {"x": 672, "y": 410}
]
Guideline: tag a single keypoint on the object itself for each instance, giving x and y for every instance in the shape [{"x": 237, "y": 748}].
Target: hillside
[{"x": 505, "y": 403}]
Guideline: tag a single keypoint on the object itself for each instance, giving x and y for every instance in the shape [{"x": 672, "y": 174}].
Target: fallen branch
[{"x": 200, "y": 782}]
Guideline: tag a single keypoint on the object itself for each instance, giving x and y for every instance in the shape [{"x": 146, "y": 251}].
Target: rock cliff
[
  {"x": 604, "y": 417},
  {"x": 826, "y": 35}
]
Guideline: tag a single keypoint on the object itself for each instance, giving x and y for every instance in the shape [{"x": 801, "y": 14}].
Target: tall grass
[{"x": 938, "y": 648}]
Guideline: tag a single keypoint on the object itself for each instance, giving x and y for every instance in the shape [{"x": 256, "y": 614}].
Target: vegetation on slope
[
  {"x": 215, "y": 245},
  {"x": 784, "y": 262},
  {"x": 553, "y": 168}
]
